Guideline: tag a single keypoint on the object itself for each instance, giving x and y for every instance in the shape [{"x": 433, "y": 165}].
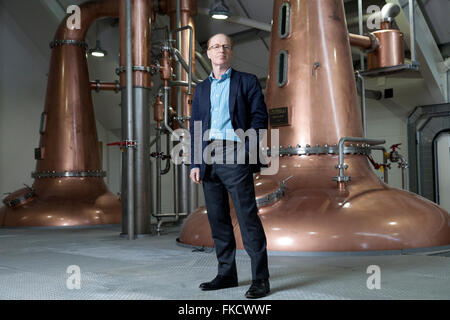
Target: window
[
  {"x": 282, "y": 68},
  {"x": 284, "y": 20}
]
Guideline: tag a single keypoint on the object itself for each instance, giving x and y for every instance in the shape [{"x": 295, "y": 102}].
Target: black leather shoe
[
  {"x": 258, "y": 289},
  {"x": 219, "y": 282}
]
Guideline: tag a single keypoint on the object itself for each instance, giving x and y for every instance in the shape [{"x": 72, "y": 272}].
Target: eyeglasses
[{"x": 216, "y": 47}]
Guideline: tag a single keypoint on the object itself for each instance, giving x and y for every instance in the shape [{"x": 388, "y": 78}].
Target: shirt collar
[{"x": 226, "y": 75}]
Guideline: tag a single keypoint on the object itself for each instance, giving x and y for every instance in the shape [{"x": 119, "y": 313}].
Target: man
[{"x": 226, "y": 101}]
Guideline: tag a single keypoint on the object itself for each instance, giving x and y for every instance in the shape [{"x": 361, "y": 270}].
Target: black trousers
[{"x": 236, "y": 180}]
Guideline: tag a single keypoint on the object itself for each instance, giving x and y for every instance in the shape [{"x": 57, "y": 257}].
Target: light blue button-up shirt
[{"x": 221, "y": 126}]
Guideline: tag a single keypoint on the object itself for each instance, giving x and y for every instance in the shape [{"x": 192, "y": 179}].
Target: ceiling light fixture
[
  {"x": 98, "y": 51},
  {"x": 219, "y": 10}
]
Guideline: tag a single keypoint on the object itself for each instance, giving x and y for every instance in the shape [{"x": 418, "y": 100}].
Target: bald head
[{"x": 220, "y": 35}]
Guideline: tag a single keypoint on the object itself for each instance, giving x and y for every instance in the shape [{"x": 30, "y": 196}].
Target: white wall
[
  {"x": 23, "y": 83},
  {"x": 387, "y": 118}
]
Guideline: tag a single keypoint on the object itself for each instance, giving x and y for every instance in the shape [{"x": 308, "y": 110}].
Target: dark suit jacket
[{"x": 247, "y": 110}]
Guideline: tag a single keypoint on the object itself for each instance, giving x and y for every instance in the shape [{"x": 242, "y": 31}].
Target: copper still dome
[
  {"x": 68, "y": 189},
  {"x": 311, "y": 79}
]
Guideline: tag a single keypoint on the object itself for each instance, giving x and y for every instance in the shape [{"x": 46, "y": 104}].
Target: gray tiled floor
[{"x": 33, "y": 264}]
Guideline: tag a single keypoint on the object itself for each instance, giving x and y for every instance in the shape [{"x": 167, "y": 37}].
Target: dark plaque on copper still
[{"x": 279, "y": 117}]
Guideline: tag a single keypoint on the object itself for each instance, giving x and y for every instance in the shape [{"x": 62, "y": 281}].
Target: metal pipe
[
  {"x": 361, "y": 31},
  {"x": 165, "y": 215},
  {"x": 141, "y": 166},
  {"x": 150, "y": 194},
  {"x": 342, "y": 178},
  {"x": 158, "y": 215},
  {"x": 193, "y": 200},
  {"x": 404, "y": 166},
  {"x": 169, "y": 129},
  {"x": 363, "y": 101},
  {"x": 168, "y": 215},
  {"x": 403, "y": 178},
  {"x": 130, "y": 115},
  {"x": 167, "y": 168},
  {"x": 385, "y": 158},
  {"x": 166, "y": 113},
  {"x": 436, "y": 171},
  {"x": 362, "y": 42},
  {"x": 178, "y": 25},
  {"x": 179, "y": 83},
  {"x": 206, "y": 65},
  {"x": 181, "y": 14},
  {"x": 158, "y": 173},
  {"x": 97, "y": 85},
  {"x": 183, "y": 186},
  {"x": 373, "y": 94},
  {"x": 175, "y": 189},
  {"x": 186, "y": 67},
  {"x": 412, "y": 30},
  {"x": 190, "y": 54}
]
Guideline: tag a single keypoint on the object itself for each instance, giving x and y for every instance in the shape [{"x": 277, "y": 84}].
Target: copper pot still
[
  {"x": 68, "y": 189},
  {"x": 311, "y": 78},
  {"x": 390, "y": 51}
]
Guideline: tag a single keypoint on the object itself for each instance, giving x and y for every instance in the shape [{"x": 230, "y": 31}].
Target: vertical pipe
[
  {"x": 436, "y": 172},
  {"x": 136, "y": 52},
  {"x": 142, "y": 160},
  {"x": 193, "y": 197},
  {"x": 385, "y": 169},
  {"x": 176, "y": 206},
  {"x": 178, "y": 168},
  {"x": 412, "y": 30},
  {"x": 158, "y": 172},
  {"x": 178, "y": 25},
  {"x": 361, "y": 31},
  {"x": 150, "y": 190},
  {"x": 183, "y": 187},
  {"x": 129, "y": 151},
  {"x": 191, "y": 40},
  {"x": 419, "y": 162},
  {"x": 341, "y": 157},
  {"x": 404, "y": 165},
  {"x": 363, "y": 102},
  {"x": 171, "y": 132},
  {"x": 404, "y": 178}
]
